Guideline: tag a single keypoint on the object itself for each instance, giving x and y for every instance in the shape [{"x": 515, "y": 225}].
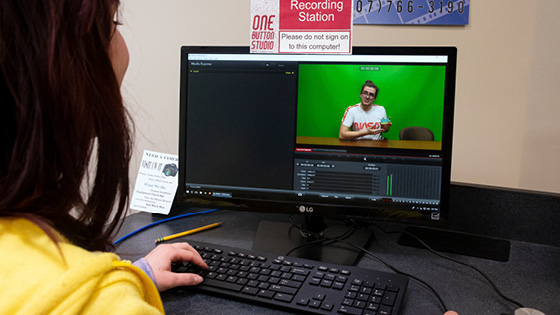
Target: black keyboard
[{"x": 296, "y": 284}]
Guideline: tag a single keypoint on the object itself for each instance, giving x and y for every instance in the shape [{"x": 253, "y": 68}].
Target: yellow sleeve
[
  {"x": 125, "y": 290},
  {"x": 39, "y": 276}
]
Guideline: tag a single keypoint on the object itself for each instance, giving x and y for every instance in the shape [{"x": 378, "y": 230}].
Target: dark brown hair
[
  {"x": 60, "y": 108},
  {"x": 370, "y": 83}
]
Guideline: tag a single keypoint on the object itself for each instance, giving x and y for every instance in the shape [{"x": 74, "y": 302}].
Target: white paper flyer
[{"x": 156, "y": 183}]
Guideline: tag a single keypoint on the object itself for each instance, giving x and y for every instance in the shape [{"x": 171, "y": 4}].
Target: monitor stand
[
  {"x": 282, "y": 237},
  {"x": 458, "y": 243}
]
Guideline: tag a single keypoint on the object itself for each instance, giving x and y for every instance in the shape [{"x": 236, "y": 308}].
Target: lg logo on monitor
[{"x": 304, "y": 209}]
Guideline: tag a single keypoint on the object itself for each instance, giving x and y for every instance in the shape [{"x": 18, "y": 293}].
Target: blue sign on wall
[{"x": 430, "y": 12}]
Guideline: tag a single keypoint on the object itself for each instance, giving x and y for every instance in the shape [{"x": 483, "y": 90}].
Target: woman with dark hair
[{"x": 64, "y": 153}]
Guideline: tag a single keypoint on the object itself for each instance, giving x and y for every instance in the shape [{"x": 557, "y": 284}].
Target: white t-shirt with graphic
[{"x": 357, "y": 119}]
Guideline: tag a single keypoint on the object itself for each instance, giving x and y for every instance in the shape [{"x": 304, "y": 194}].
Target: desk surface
[{"x": 531, "y": 276}]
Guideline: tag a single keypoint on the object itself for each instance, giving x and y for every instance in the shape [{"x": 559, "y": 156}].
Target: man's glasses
[{"x": 372, "y": 95}]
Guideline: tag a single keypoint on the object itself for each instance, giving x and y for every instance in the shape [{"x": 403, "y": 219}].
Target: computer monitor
[{"x": 260, "y": 132}]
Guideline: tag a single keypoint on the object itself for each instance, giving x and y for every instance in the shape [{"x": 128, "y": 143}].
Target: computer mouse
[{"x": 527, "y": 311}]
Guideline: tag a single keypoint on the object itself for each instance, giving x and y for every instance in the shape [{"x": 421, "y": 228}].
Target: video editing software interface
[{"x": 263, "y": 126}]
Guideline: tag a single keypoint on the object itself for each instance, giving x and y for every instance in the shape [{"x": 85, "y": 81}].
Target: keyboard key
[
  {"x": 266, "y": 294},
  {"x": 349, "y": 310},
  {"x": 319, "y": 296},
  {"x": 223, "y": 285},
  {"x": 315, "y": 282},
  {"x": 359, "y": 304},
  {"x": 351, "y": 295},
  {"x": 392, "y": 288},
  {"x": 283, "y": 289},
  {"x": 290, "y": 283},
  {"x": 372, "y": 307},
  {"x": 250, "y": 290},
  {"x": 314, "y": 304},
  {"x": 299, "y": 271},
  {"x": 302, "y": 301},
  {"x": 264, "y": 285},
  {"x": 385, "y": 310},
  {"x": 389, "y": 298},
  {"x": 338, "y": 285},
  {"x": 327, "y": 307},
  {"x": 283, "y": 297}
]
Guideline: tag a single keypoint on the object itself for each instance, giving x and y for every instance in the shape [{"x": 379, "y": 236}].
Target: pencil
[{"x": 202, "y": 228}]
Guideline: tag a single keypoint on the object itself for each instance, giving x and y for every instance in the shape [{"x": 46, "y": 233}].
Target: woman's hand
[{"x": 163, "y": 255}]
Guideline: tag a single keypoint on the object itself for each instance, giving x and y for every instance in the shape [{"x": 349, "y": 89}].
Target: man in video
[{"x": 365, "y": 120}]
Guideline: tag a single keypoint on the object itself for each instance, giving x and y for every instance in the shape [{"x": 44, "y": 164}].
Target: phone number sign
[{"x": 432, "y": 12}]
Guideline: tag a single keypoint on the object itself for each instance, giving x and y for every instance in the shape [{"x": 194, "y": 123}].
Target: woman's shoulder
[
  {"x": 47, "y": 273},
  {"x": 31, "y": 244},
  {"x": 31, "y": 248}
]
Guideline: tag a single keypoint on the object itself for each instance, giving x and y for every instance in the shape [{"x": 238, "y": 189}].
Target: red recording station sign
[{"x": 301, "y": 26}]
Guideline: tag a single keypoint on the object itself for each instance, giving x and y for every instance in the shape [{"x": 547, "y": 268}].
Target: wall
[{"x": 507, "y": 130}]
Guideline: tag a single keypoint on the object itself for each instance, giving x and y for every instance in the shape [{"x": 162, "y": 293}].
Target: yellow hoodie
[{"x": 36, "y": 279}]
